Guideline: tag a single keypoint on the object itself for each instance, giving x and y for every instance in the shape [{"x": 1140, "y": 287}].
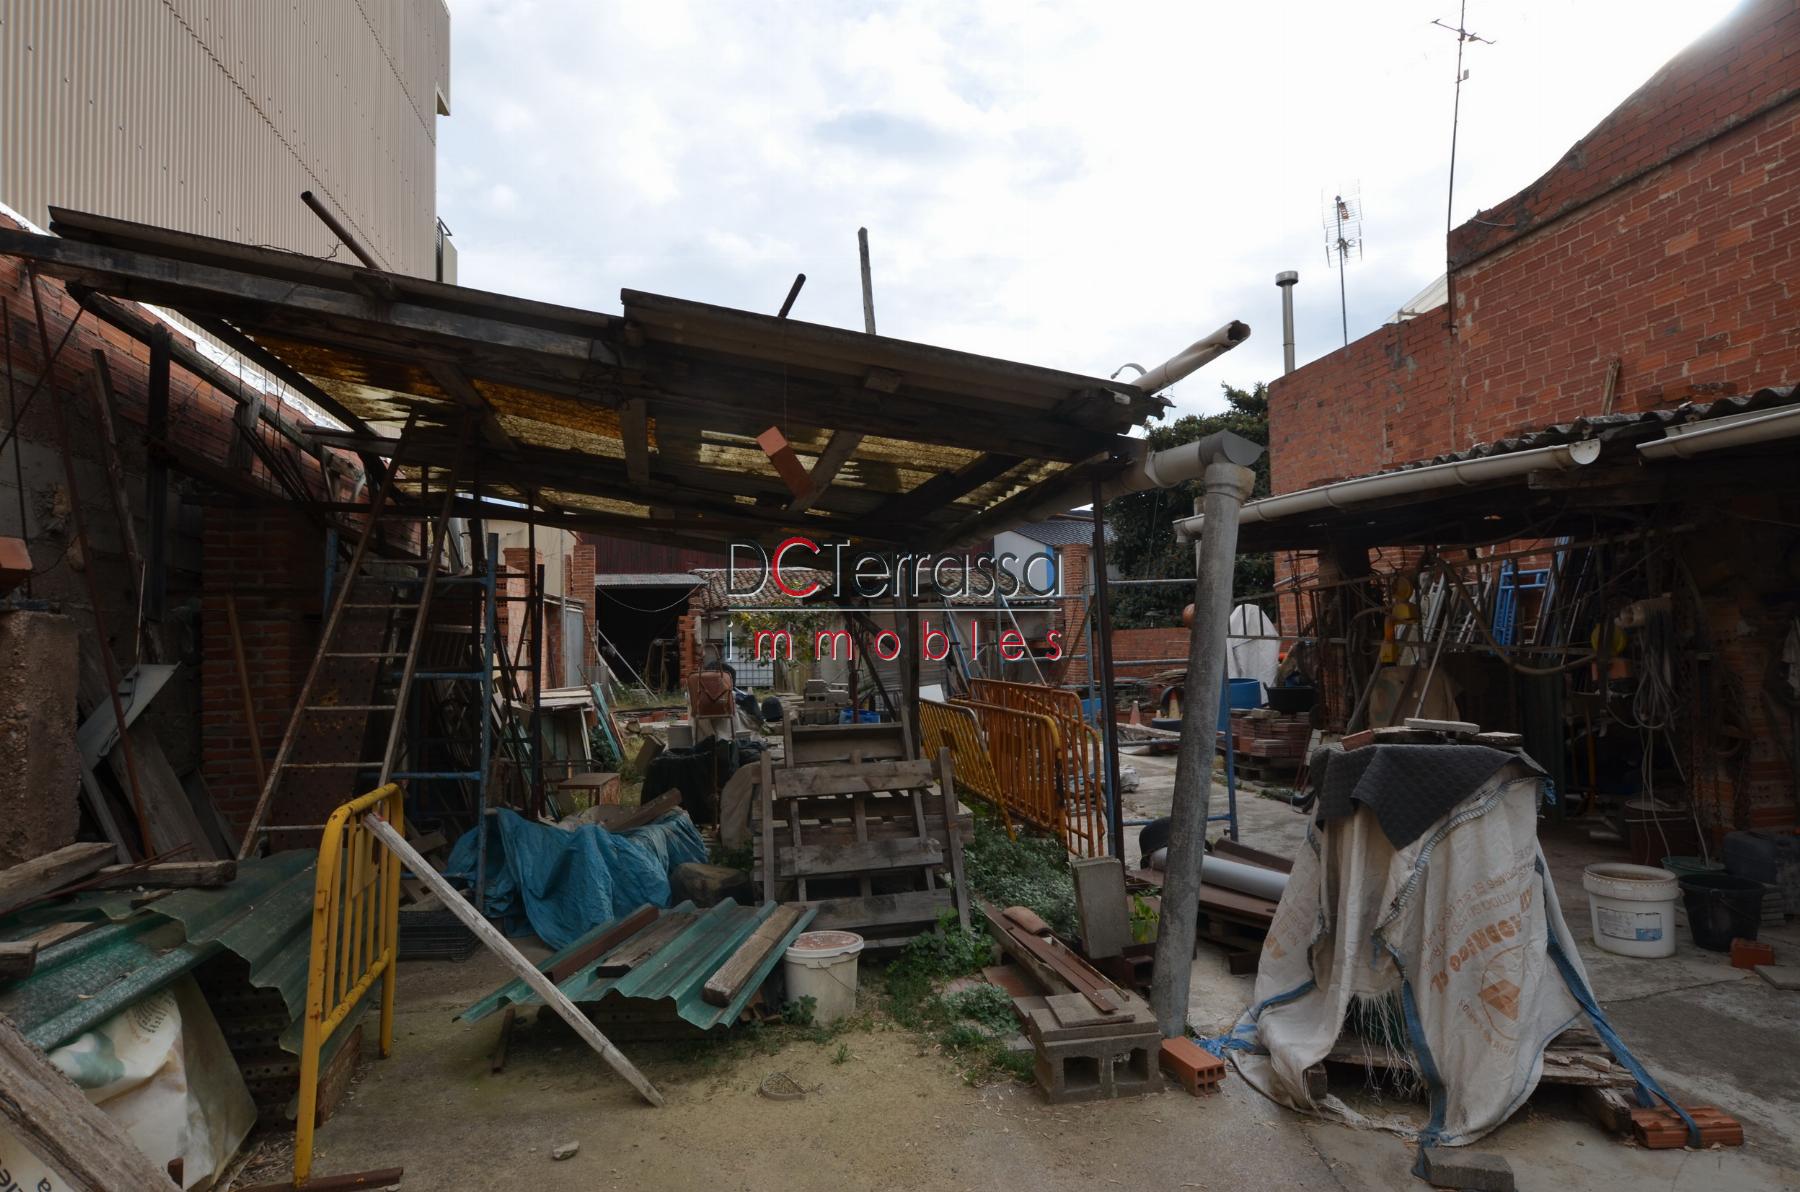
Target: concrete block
[
  {"x": 1781, "y": 976},
  {"x": 1472, "y": 1171},
  {"x": 1100, "y": 903},
  {"x": 40, "y": 769},
  {"x": 1096, "y": 1069}
]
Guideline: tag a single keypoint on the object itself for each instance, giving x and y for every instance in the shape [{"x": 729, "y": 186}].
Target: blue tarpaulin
[{"x": 568, "y": 882}]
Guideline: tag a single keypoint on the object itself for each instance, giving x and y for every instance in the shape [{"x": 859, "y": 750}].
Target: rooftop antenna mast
[
  {"x": 1463, "y": 38},
  {"x": 1343, "y": 238}
]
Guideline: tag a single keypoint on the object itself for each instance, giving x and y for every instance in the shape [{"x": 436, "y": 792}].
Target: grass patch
[
  {"x": 1031, "y": 871},
  {"x": 973, "y": 1024}
]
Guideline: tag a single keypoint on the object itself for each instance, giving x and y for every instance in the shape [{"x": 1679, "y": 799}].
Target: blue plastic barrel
[{"x": 1238, "y": 693}]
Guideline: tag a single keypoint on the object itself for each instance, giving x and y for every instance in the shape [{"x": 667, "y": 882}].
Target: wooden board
[
  {"x": 605, "y": 942},
  {"x": 32, "y": 880},
  {"x": 648, "y": 813},
  {"x": 645, "y": 944},
  {"x": 166, "y": 875},
  {"x": 728, "y": 981},
  {"x": 816, "y": 744},
  {"x": 880, "y": 910},
  {"x": 798, "y": 782},
  {"x": 872, "y": 856}
]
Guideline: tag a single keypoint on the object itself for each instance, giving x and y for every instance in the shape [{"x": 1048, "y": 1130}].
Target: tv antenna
[
  {"x": 1463, "y": 38},
  {"x": 1343, "y": 239}
]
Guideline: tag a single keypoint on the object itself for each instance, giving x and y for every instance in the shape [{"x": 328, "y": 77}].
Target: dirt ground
[{"x": 885, "y": 1110}]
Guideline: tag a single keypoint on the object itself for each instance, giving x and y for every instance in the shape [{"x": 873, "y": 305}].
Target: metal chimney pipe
[{"x": 1287, "y": 279}]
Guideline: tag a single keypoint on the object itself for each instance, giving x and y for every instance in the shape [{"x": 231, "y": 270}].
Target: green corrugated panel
[
  {"x": 677, "y": 972},
  {"x": 264, "y": 916}
]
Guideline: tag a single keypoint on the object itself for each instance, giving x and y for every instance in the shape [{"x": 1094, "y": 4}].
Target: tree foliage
[{"x": 1144, "y": 546}]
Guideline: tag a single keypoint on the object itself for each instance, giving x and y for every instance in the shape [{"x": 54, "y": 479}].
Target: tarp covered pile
[{"x": 1452, "y": 933}]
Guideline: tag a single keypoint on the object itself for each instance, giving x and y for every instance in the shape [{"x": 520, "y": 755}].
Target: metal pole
[
  {"x": 1337, "y": 210},
  {"x": 1100, "y": 649},
  {"x": 1227, "y": 486},
  {"x": 868, "y": 283},
  {"x": 1286, "y": 280}
]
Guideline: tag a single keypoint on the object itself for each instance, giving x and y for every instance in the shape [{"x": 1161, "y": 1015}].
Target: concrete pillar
[{"x": 40, "y": 770}]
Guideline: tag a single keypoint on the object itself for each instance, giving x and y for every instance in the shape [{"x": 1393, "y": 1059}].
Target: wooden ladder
[{"x": 354, "y": 576}]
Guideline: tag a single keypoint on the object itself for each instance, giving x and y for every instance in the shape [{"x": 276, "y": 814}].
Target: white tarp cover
[
  {"x": 1251, "y": 651},
  {"x": 161, "y": 1069},
  {"x": 1457, "y": 929}
]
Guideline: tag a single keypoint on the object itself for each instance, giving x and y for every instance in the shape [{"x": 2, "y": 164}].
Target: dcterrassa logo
[{"x": 821, "y": 573}]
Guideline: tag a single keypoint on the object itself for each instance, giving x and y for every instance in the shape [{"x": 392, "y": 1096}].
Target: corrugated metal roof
[
  {"x": 677, "y": 972},
  {"x": 644, "y": 423},
  {"x": 1614, "y": 428},
  {"x": 264, "y": 916}
]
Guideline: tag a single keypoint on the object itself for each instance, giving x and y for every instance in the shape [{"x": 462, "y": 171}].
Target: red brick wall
[
  {"x": 1666, "y": 240},
  {"x": 272, "y": 561},
  {"x": 579, "y": 585},
  {"x": 1147, "y": 644}
]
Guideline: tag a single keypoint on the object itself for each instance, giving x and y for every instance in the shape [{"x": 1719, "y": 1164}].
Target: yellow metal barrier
[
  {"x": 355, "y": 942},
  {"x": 1080, "y": 770},
  {"x": 1013, "y": 759}
]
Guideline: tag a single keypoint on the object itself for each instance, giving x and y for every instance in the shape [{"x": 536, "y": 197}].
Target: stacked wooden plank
[{"x": 874, "y": 845}]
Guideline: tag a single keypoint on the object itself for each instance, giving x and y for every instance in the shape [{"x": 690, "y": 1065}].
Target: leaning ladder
[{"x": 303, "y": 707}]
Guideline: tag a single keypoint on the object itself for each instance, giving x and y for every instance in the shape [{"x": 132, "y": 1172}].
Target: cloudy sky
[{"x": 1074, "y": 184}]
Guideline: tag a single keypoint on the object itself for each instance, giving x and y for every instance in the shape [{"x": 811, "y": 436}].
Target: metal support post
[
  {"x": 1100, "y": 652},
  {"x": 1227, "y": 484}
]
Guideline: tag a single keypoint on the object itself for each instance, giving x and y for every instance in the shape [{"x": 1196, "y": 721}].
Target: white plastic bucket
[
  {"x": 1632, "y": 908},
  {"x": 822, "y": 965}
]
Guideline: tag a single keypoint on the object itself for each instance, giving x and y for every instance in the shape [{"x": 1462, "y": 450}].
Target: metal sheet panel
[
  {"x": 264, "y": 916},
  {"x": 678, "y": 972}
]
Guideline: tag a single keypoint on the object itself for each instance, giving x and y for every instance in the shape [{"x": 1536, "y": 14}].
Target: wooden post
[
  {"x": 243, "y": 673},
  {"x": 100, "y": 383},
  {"x": 156, "y": 477},
  {"x": 521, "y": 967}
]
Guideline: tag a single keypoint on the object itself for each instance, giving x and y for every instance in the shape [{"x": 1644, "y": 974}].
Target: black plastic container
[{"x": 1720, "y": 908}]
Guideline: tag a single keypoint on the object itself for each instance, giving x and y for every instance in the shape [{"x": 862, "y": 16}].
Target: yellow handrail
[{"x": 355, "y": 940}]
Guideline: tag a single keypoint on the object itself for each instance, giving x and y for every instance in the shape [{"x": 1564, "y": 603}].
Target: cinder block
[
  {"x": 1472, "y": 1171},
  {"x": 1095, "y": 1069},
  {"x": 1198, "y": 1070}
]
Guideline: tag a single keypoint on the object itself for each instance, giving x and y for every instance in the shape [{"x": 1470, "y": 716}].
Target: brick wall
[
  {"x": 579, "y": 582},
  {"x": 1132, "y": 645},
  {"x": 271, "y": 561},
  {"x": 1667, "y": 240}
]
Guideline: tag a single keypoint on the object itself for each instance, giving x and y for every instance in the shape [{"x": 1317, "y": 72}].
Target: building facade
[{"x": 212, "y": 117}]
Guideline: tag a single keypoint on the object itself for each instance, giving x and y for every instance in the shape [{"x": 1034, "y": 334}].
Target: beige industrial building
[{"x": 212, "y": 116}]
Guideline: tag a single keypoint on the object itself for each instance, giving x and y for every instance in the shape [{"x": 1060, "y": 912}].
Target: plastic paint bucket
[
  {"x": 822, "y": 965},
  {"x": 1632, "y": 908},
  {"x": 1722, "y": 907}
]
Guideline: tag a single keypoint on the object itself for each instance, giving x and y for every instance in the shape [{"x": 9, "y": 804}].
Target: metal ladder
[{"x": 410, "y": 624}]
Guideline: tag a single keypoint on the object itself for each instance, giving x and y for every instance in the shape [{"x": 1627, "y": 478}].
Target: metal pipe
[
  {"x": 1193, "y": 357},
  {"x": 868, "y": 281},
  {"x": 1680, "y": 443},
  {"x": 338, "y": 229},
  {"x": 1227, "y": 484},
  {"x": 1286, "y": 280},
  {"x": 1101, "y": 644},
  {"x": 1364, "y": 489}
]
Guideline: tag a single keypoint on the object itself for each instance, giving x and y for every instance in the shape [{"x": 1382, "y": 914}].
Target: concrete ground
[{"x": 884, "y": 1110}]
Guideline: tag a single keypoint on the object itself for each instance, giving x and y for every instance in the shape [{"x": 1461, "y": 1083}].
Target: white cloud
[{"x": 1068, "y": 184}]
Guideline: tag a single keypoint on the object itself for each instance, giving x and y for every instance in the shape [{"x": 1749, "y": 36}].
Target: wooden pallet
[
  {"x": 863, "y": 842},
  {"x": 1575, "y": 1058}
]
